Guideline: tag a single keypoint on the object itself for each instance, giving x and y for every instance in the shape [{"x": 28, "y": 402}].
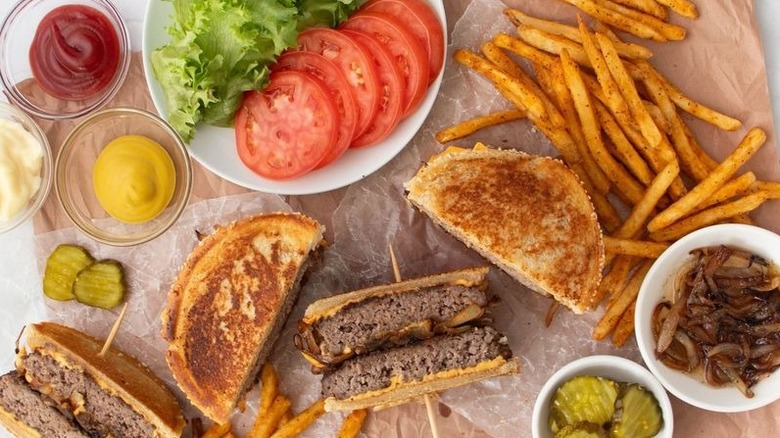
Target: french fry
[
  {"x": 696, "y": 109},
  {"x": 658, "y": 117},
  {"x": 626, "y": 50},
  {"x": 682, "y": 7},
  {"x": 553, "y": 44},
  {"x": 625, "y": 327},
  {"x": 494, "y": 54},
  {"x": 608, "y": 216},
  {"x": 622, "y": 267},
  {"x": 704, "y": 157},
  {"x": 646, "y": 6},
  {"x": 736, "y": 187},
  {"x": 228, "y": 435},
  {"x": 267, "y": 422},
  {"x": 269, "y": 387},
  {"x": 352, "y": 424},
  {"x": 217, "y": 430},
  {"x": 471, "y": 126},
  {"x": 300, "y": 422},
  {"x": 614, "y": 171},
  {"x": 625, "y": 151},
  {"x": 566, "y": 104},
  {"x": 749, "y": 145},
  {"x": 617, "y": 20},
  {"x": 527, "y": 51},
  {"x": 669, "y": 31},
  {"x": 637, "y": 248},
  {"x": 600, "y": 27},
  {"x": 628, "y": 90},
  {"x": 710, "y": 216},
  {"x": 743, "y": 218},
  {"x": 615, "y": 310},
  {"x": 644, "y": 208},
  {"x": 772, "y": 189}
]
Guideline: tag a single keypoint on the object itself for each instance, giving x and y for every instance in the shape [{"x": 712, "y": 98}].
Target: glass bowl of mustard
[
  {"x": 63, "y": 59},
  {"x": 123, "y": 176},
  {"x": 25, "y": 167}
]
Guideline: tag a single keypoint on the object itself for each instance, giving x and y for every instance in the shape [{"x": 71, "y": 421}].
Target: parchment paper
[{"x": 721, "y": 63}]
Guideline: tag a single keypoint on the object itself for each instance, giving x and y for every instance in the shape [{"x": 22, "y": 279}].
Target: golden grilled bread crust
[
  {"x": 116, "y": 373},
  {"x": 229, "y": 302},
  {"x": 527, "y": 214},
  {"x": 18, "y": 428}
]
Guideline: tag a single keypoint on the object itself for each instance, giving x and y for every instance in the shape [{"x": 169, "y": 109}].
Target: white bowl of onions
[{"x": 708, "y": 318}]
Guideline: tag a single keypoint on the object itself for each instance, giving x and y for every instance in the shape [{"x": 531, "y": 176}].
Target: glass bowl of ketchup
[{"x": 63, "y": 59}]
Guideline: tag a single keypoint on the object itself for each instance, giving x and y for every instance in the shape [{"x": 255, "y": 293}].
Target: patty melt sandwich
[
  {"x": 63, "y": 388},
  {"x": 229, "y": 303},
  {"x": 527, "y": 214},
  {"x": 388, "y": 344}
]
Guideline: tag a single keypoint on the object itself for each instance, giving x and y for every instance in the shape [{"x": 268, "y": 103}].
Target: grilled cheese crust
[
  {"x": 228, "y": 305},
  {"x": 527, "y": 214}
]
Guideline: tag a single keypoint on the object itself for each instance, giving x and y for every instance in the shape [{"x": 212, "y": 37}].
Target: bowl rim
[
  {"x": 123, "y": 68},
  {"x": 716, "y": 234},
  {"x": 576, "y": 368},
  {"x": 67, "y": 145},
  {"x": 47, "y": 171}
]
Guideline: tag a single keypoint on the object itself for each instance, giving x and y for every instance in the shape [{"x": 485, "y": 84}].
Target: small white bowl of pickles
[{"x": 602, "y": 396}]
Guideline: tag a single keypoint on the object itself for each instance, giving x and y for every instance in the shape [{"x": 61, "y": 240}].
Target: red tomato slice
[
  {"x": 392, "y": 87},
  {"x": 324, "y": 70},
  {"x": 289, "y": 127},
  {"x": 422, "y": 21},
  {"x": 407, "y": 51},
  {"x": 355, "y": 63}
]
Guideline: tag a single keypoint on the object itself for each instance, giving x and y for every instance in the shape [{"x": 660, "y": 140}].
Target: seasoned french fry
[
  {"x": 736, "y": 187},
  {"x": 494, "y": 54},
  {"x": 608, "y": 216},
  {"x": 668, "y": 30},
  {"x": 772, "y": 189},
  {"x": 471, "y": 126},
  {"x": 617, "y": 20},
  {"x": 614, "y": 171},
  {"x": 710, "y": 216},
  {"x": 743, "y": 218},
  {"x": 614, "y": 280},
  {"x": 694, "y": 108},
  {"x": 646, "y": 6},
  {"x": 552, "y": 43},
  {"x": 626, "y": 50},
  {"x": 625, "y": 327},
  {"x": 683, "y": 7},
  {"x": 658, "y": 117},
  {"x": 615, "y": 310},
  {"x": 602, "y": 28},
  {"x": 217, "y": 430},
  {"x": 749, "y": 145},
  {"x": 266, "y": 423},
  {"x": 228, "y": 435},
  {"x": 625, "y": 151},
  {"x": 628, "y": 90},
  {"x": 638, "y": 248},
  {"x": 644, "y": 208},
  {"x": 285, "y": 418},
  {"x": 300, "y": 422},
  {"x": 352, "y": 424},
  {"x": 704, "y": 157},
  {"x": 526, "y": 51},
  {"x": 269, "y": 387}
]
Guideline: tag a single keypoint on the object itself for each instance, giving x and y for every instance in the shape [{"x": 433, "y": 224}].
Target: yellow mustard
[{"x": 134, "y": 178}]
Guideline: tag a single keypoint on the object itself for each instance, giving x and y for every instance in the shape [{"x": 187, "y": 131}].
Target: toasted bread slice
[
  {"x": 527, "y": 214},
  {"x": 117, "y": 374},
  {"x": 229, "y": 303}
]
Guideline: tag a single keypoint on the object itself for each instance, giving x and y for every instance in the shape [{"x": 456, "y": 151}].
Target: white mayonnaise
[{"x": 21, "y": 159}]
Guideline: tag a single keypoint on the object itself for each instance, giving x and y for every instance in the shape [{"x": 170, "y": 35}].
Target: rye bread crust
[
  {"x": 229, "y": 303},
  {"x": 529, "y": 215}
]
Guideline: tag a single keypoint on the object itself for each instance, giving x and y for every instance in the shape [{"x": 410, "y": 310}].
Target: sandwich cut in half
[
  {"x": 388, "y": 344},
  {"x": 529, "y": 215},
  {"x": 63, "y": 387},
  {"x": 229, "y": 303}
]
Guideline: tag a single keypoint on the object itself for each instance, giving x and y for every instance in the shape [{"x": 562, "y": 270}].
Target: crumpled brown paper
[{"x": 720, "y": 63}]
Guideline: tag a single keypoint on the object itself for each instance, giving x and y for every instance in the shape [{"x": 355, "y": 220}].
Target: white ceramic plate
[
  {"x": 686, "y": 387},
  {"x": 215, "y": 147}
]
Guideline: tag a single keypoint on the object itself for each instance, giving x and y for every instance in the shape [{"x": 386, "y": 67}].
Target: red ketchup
[{"x": 75, "y": 52}]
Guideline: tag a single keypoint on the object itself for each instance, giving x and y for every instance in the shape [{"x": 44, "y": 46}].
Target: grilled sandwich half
[
  {"x": 529, "y": 215},
  {"x": 229, "y": 303}
]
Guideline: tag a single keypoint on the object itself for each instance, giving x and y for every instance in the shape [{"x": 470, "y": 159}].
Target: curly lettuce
[{"x": 221, "y": 48}]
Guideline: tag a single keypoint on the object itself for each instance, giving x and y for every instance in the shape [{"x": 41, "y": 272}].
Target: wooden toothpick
[
  {"x": 432, "y": 422},
  {"x": 113, "y": 332}
]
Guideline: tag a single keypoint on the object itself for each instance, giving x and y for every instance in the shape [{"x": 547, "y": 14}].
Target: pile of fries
[
  {"x": 615, "y": 121},
  {"x": 274, "y": 417}
]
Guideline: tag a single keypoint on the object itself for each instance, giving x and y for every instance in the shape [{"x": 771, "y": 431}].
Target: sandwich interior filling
[
  {"x": 98, "y": 412},
  {"x": 368, "y": 323},
  {"x": 381, "y": 368},
  {"x": 34, "y": 409}
]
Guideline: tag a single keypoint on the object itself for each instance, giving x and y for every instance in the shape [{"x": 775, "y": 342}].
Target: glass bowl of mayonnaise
[
  {"x": 123, "y": 176},
  {"x": 25, "y": 167}
]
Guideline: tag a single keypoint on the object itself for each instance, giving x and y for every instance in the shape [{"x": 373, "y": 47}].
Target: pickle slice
[
  {"x": 639, "y": 414},
  {"x": 580, "y": 430},
  {"x": 583, "y": 399},
  {"x": 62, "y": 266},
  {"x": 102, "y": 284}
]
